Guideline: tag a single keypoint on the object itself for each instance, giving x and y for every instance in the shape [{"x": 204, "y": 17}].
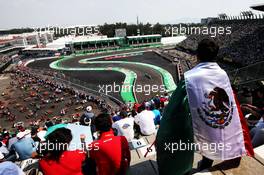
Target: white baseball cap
[{"x": 89, "y": 108}]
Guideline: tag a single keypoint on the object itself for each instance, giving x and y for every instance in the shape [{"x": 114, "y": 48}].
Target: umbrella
[{"x": 77, "y": 131}]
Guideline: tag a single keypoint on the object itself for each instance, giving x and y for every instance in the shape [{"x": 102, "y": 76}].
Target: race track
[{"x": 126, "y": 70}]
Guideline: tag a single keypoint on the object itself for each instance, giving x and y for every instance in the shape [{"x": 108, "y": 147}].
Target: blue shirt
[
  {"x": 116, "y": 118},
  {"x": 24, "y": 148},
  {"x": 10, "y": 168},
  {"x": 157, "y": 116}
]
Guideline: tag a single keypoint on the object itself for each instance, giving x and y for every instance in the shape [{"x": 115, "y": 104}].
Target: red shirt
[
  {"x": 136, "y": 106},
  {"x": 70, "y": 164},
  {"x": 111, "y": 154}
]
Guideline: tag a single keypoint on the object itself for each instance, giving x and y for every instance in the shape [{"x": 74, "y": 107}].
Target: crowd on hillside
[
  {"x": 244, "y": 46},
  {"x": 41, "y": 96}
]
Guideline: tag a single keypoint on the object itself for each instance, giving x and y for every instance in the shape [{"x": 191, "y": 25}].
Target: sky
[{"x": 40, "y": 13}]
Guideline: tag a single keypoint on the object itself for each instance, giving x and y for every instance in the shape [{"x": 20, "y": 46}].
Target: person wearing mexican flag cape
[{"x": 202, "y": 116}]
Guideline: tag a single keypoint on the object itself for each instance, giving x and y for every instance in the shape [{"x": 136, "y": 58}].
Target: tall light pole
[{"x": 138, "y": 30}]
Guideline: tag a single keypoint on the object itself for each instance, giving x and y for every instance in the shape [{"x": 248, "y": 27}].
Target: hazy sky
[{"x": 36, "y": 13}]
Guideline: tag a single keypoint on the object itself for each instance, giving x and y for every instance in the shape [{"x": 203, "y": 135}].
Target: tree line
[{"x": 105, "y": 29}]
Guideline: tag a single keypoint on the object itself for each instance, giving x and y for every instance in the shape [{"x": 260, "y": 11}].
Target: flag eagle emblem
[{"x": 217, "y": 109}]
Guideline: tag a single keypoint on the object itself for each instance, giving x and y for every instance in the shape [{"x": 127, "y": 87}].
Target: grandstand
[
  {"x": 245, "y": 36},
  {"x": 242, "y": 49},
  {"x": 259, "y": 7},
  {"x": 96, "y": 44}
]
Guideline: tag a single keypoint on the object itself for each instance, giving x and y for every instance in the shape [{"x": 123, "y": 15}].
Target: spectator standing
[{"x": 204, "y": 110}]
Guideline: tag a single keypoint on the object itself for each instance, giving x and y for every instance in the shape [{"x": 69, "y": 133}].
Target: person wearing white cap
[
  {"x": 25, "y": 145},
  {"x": 7, "y": 167},
  {"x": 89, "y": 108},
  {"x": 87, "y": 117}
]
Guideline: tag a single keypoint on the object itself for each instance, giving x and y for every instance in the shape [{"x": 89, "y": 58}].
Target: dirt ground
[{"x": 27, "y": 107}]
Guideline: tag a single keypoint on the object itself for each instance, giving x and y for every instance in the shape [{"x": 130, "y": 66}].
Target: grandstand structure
[
  {"x": 43, "y": 44},
  {"x": 143, "y": 39},
  {"x": 259, "y": 7},
  {"x": 26, "y": 39},
  {"x": 28, "y": 44},
  {"x": 239, "y": 50},
  {"x": 94, "y": 44}
]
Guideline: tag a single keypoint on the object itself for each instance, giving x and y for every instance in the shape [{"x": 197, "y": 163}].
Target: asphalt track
[{"x": 108, "y": 74}]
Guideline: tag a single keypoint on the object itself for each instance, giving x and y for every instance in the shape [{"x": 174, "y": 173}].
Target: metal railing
[
  {"x": 84, "y": 86},
  {"x": 81, "y": 86},
  {"x": 248, "y": 74}
]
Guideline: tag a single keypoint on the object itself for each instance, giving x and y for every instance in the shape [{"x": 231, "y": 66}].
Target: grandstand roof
[
  {"x": 81, "y": 39},
  {"x": 41, "y": 49},
  {"x": 172, "y": 40},
  {"x": 96, "y": 39},
  {"x": 259, "y": 7},
  {"x": 143, "y": 36}
]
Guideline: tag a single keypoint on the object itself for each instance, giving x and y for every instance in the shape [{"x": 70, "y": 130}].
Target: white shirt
[
  {"x": 125, "y": 127},
  {"x": 145, "y": 120},
  {"x": 3, "y": 149}
]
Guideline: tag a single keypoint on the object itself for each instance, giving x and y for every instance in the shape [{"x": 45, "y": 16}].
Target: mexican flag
[{"x": 203, "y": 116}]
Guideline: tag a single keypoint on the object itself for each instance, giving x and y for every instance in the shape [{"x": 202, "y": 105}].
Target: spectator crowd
[
  {"x": 244, "y": 46},
  {"x": 109, "y": 128},
  {"x": 109, "y": 152}
]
